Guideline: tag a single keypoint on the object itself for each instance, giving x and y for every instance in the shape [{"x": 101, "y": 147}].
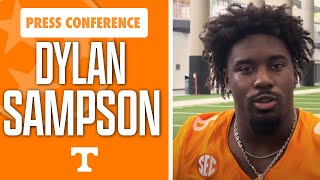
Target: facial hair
[
  {"x": 262, "y": 122},
  {"x": 264, "y": 125}
]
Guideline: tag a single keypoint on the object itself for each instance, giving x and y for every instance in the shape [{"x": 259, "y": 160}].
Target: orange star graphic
[
  {"x": 28, "y": 81},
  {"x": 12, "y": 27}
]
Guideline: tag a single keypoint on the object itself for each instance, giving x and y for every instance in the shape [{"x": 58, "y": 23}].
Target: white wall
[{"x": 180, "y": 56}]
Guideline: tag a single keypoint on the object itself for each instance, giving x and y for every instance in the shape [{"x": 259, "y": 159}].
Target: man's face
[{"x": 261, "y": 77}]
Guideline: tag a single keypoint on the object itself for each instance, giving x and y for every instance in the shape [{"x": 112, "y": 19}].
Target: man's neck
[{"x": 268, "y": 143}]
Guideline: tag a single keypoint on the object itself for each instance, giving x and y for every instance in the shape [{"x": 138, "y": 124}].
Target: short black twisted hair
[{"x": 221, "y": 33}]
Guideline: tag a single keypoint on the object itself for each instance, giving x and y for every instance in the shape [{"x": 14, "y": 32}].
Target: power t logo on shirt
[{"x": 202, "y": 121}]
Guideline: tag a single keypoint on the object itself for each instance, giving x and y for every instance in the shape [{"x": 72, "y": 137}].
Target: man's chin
[{"x": 264, "y": 125}]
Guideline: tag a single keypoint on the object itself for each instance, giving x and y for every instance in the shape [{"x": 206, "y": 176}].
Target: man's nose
[{"x": 263, "y": 79}]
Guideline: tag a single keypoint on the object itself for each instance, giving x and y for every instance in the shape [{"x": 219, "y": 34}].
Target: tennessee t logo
[{"x": 84, "y": 151}]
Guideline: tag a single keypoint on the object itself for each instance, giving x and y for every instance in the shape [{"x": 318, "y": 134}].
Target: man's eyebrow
[
  {"x": 277, "y": 57},
  {"x": 243, "y": 61},
  {"x": 250, "y": 61}
]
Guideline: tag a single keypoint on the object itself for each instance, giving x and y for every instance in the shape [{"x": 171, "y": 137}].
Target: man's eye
[
  {"x": 277, "y": 66},
  {"x": 245, "y": 69}
]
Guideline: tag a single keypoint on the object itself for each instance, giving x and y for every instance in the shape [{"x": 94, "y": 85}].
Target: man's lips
[
  {"x": 265, "y": 105},
  {"x": 265, "y": 102}
]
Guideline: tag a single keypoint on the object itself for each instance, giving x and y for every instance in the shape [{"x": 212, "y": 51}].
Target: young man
[{"x": 257, "y": 55}]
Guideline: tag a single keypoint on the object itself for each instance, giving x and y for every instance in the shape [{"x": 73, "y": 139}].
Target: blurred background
[{"x": 188, "y": 19}]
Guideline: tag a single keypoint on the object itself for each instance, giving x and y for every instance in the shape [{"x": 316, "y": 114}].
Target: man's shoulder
[
  {"x": 308, "y": 118},
  {"x": 201, "y": 143},
  {"x": 310, "y": 124},
  {"x": 208, "y": 122},
  {"x": 202, "y": 131},
  {"x": 306, "y": 139}
]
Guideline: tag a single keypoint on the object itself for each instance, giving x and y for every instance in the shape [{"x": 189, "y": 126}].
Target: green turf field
[{"x": 308, "y": 102}]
